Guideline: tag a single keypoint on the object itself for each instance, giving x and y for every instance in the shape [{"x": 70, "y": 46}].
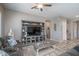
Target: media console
[{"x": 32, "y": 32}]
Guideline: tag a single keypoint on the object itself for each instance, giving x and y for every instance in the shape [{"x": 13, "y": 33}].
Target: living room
[{"x": 26, "y": 26}]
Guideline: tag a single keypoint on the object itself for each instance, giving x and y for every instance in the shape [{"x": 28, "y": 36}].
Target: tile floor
[{"x": 63, "y": 47}]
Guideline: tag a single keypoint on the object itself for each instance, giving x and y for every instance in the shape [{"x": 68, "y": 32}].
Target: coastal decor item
[
  {"x": 11, "y": 40},
  {"x": 11, "y": 33}
]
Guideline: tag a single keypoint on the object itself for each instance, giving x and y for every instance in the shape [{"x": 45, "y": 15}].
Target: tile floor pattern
[
  {"x": 61, "y": 47},
  {"x": 58, "y": 48}
]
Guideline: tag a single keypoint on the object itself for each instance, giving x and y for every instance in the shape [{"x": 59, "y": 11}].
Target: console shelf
[{"x": 30, "y": 39}]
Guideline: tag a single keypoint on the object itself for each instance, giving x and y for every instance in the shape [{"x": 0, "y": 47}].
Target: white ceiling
[{"x": 68, "y": 10}]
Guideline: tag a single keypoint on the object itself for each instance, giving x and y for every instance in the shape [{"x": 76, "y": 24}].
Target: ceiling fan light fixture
[
  {"x": 39, "y": 6},
  {"x": 41, "y": 9}
]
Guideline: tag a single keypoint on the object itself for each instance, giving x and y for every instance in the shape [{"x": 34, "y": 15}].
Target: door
[
  {"x": 77, "y": 29},
  {"x": 68, "y": 30}
]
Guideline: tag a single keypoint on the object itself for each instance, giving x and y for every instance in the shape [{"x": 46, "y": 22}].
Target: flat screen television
[{"x": 33, "y": 30}]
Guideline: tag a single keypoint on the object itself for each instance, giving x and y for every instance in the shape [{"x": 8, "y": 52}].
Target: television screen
[{"x": 33, "y": 30}]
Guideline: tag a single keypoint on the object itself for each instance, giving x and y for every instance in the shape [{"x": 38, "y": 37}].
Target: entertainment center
[{"x": 32, "y": 32}]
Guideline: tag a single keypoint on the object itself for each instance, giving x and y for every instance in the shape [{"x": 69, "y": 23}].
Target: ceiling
[{"x": 68, "y": 10}]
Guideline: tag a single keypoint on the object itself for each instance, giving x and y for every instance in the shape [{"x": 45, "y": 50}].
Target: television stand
[
  {"x": 34, "y": 39},
  {"x": 29, "y": 34}
]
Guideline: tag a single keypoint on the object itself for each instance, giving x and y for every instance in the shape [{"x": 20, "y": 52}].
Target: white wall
[
  {"x": 13, "y": 20},
  {"x": 56, "y": 35},
  {"x": 64, "y": 29},
  {"x": 60, "y": 33},
  {"x": 1, "y": 21}
]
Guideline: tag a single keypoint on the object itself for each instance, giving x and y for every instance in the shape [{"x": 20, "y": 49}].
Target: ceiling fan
[{"x": 40, "y": 6}]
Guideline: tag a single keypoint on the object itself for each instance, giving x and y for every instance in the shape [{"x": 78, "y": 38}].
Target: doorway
[
  {"x": 72, "y": 30},
  {"x": 77, "y": 29}
]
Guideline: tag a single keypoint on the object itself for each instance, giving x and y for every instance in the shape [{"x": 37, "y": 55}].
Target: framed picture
[{"x": 54, "y": 27}]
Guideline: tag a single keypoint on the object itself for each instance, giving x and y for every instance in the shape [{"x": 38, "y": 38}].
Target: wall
[
  {"x": 64, "y": 29},
  {"x": 56, "y": 35},
  {"x": 60, "y": 33},
  {"x": 1, "y": 21},
  {"x": 13, "y": 20}
]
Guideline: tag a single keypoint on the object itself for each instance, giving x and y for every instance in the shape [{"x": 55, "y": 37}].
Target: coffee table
[{"x": 43, "y": 45}]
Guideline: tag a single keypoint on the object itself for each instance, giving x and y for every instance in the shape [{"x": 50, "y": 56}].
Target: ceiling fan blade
[
  {"x": 47, "y": 5},
  {"x": 34, "y": 7}
]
